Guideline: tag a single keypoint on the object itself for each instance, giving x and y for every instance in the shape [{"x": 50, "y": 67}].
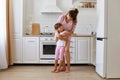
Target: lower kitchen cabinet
[
  {"x": 73, "y": 50},
  {"x": 30, "y": 50},
  {"x": 26, "y": 49},
  {"x": 93, "y": 51},
  {"x": 83, "y": 50},
  {"x": 16, "y": 49}
]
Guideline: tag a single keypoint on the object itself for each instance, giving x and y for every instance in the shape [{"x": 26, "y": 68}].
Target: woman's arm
[
  {"x": 70, "y": 31},
  {"x": 73, "y": 28},
  {"x": 63, "y": 36}
]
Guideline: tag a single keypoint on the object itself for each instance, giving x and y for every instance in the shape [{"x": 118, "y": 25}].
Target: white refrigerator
[{"x": 108, "y": 39}]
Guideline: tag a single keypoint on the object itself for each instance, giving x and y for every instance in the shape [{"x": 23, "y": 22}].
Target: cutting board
[{"x": 35, "y": 29}]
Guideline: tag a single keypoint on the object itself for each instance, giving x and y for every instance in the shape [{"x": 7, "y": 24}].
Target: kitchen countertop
[{"x": 73, "y": 35}]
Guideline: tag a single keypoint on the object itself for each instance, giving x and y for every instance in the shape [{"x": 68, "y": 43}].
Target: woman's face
[
  {"x": 60, "y": 29},
  {"x": 69, "y": 18}
]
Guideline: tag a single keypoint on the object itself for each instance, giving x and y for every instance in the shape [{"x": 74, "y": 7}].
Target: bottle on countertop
[
  {"x": 93, "y": 33},
  {"x": 45, "y": 29}
]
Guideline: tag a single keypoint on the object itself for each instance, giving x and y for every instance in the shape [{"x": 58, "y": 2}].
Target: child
[{"x": 60, "y": 46}]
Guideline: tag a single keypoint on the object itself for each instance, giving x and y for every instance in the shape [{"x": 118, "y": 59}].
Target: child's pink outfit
[
  {"x": 60, "y": 49},
  {"x": 59, "y": 52}
]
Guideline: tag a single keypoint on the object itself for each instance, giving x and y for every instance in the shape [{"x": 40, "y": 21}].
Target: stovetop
[{"x": 47, "y": 33}]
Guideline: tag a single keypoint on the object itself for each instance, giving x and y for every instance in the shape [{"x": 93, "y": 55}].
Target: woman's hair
[
  {"x": 57, "y": 25},
  {"x": 73, "y": 14}
]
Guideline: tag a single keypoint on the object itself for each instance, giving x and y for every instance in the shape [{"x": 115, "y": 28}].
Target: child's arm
[
  {"x": 63, "y": 36},
  {"x": 56, "y": 36}
]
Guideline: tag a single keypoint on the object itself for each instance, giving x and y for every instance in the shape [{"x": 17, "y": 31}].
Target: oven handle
[{"x": 48, "y": 42}]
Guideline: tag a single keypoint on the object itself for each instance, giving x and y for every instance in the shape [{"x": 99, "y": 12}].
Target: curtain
[
  {"x": 5, "y": 23},
  {"x": 3, "y": 35},
  {"x": 10, "y": 24}
]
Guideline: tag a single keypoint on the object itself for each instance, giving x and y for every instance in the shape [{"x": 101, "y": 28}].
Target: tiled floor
[{"x": 43, "y": 72}]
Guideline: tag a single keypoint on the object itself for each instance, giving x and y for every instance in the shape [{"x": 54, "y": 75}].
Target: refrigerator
[{"x": 108, "y": 39}]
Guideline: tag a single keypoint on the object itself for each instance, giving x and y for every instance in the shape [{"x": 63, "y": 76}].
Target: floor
[{"x": 43, "y": 72}]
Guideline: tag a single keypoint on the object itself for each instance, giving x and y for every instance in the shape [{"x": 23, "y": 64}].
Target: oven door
[{"x": 47, "y": 50}]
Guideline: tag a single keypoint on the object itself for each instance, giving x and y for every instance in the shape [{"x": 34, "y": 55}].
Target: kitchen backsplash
[{"x": 87, "y": 19}]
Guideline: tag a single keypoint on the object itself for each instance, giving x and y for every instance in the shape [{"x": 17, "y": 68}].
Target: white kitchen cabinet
[
  {"x": 93, "y": 51},
  {"x": 16, "y": 50},
  {"x": 16, "y": 24},
  {"x": 30, "y": 50},
  {"x": 83, "y": 49},
  {"x": 73, "y": 50}
]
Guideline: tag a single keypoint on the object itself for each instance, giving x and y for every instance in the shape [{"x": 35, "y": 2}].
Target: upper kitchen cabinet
[{"x": 16, "y": 17}]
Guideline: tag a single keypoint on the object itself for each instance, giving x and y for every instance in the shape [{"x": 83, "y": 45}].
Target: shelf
[{"x": 85, "y": 4}]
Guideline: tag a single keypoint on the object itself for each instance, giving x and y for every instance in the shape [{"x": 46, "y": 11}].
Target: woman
[{"x": 69, "y": 22}]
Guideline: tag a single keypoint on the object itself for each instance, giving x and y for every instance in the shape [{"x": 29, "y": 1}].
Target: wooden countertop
[{"x": 73, "y": 35}]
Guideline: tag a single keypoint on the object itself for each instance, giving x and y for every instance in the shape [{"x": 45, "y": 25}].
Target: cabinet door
[
  {"x": 72, "y": 50},
  {"x": 16, "y": 49},
  {"x": 93, "y": 50},
  {"x": 16, "y": 24},
  {"x": 83, "y": 51},
  {"x": 31, "y": 50},
  {"x": 16, "y": 17}
]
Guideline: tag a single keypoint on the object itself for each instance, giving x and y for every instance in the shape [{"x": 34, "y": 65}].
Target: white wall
[{"x": 86, "y": 18}]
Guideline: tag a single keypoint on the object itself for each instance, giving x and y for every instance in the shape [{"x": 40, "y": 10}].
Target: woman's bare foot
[
  {"x": 54, "y": 70},
  {"x": 67, "y": 70}
]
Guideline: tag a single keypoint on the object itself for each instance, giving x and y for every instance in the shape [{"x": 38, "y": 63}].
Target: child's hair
[{"x": 57, "y": 25}]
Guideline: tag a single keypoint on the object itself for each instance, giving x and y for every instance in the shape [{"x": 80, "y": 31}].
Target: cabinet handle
[
  {"x": 46, "y": 39},
  {"x": 71, "y": 47},
  {"x": 51, "y": 61},
  {"x": 31, "y": 41}
]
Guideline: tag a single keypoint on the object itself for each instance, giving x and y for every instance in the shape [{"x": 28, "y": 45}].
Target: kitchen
[{"x": 27, "y": 48}]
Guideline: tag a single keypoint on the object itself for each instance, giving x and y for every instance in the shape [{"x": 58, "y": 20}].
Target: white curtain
[{"x": 3, "y": 59}]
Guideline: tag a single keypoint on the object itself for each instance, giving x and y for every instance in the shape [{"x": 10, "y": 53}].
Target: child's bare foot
[
  {"x": 54, "y": 70},
  {"x": 62, "y": 69},
  {"x": 57, "y": 71}
]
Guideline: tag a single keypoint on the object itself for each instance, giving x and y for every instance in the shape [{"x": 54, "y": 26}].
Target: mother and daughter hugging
[{"x": 64, "y": 27}]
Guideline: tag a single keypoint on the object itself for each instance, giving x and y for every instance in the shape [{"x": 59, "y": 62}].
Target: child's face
[{"x": 60, "y": 29}]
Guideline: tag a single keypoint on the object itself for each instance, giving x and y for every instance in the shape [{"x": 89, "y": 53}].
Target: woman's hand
[{"x": 67, "y": 33}]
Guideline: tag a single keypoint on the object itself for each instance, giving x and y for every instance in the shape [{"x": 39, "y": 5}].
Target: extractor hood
[{"x": 50, "y": 6}]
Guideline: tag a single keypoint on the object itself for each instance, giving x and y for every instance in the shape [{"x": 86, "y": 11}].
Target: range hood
[{"x": 50, "y": 6}]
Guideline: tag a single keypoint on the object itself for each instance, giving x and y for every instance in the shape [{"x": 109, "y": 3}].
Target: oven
[{"x": 47, "y": 48}]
